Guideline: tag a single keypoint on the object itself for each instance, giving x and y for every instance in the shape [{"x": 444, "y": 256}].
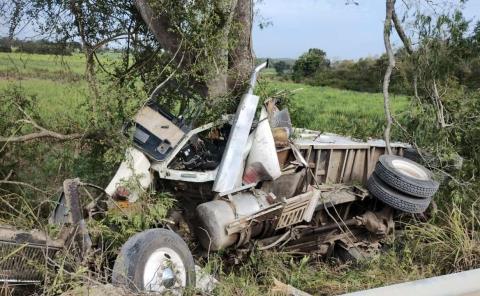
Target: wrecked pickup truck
[{"x": 255, "y": 181}]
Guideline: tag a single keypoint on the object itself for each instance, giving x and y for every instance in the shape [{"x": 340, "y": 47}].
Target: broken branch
[{"x": 41, "y": 134}]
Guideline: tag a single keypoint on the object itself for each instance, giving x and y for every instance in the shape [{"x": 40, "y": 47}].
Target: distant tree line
[
  {"x": 41, "y": 46},
  {"x": 461, "y": 57},
  {"x": 366, "y": 74}
]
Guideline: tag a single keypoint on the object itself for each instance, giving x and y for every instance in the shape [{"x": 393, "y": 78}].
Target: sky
[{"x": 343, "y": 31}]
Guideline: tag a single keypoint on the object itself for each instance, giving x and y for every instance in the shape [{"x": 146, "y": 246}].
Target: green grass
[
  {"x": 58, "y": 103},
  {"x": 346, "y": 112},
  {"x": 57, "y": 82},
  {"x": 19, "y": 65},
  {"x": 32, "y": 63}
]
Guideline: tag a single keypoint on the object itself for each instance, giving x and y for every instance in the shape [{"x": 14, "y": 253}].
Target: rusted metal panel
[{"x": 23, "y": 252}]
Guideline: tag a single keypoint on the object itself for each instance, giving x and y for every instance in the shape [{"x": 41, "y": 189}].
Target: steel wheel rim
[
  {"x": 410, "y": 170},
  {"x": 164, "y": 271}
]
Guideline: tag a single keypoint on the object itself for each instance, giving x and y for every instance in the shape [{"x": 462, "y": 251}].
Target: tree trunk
[
  {"x": 242, "y": 57},
  {"x": 217, "y": 85},
  {"x": 159, "y": 25},
  {"x": 401, "y": 32},
  {"x": 391, "y": 64},
  {"x": 231, "y": 68}
]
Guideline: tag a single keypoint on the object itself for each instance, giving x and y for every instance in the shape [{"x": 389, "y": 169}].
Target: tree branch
[
  {"x": 169, "y": 40},
  {"x": 41, "y": 134},
  {"x": 154, "y": 93},
  {"x": 401, "y": 32},
  {"x": 390, "y": 4},
  {"x": 159, "y": 26}
]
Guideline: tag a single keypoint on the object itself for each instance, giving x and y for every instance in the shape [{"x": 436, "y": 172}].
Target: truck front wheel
[{"x": 155, "y": 260}]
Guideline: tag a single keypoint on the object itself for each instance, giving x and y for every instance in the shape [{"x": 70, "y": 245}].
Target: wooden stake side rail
[{"x": 341, "y": 160}]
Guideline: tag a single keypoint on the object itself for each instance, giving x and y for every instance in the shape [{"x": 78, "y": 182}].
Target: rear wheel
[
  {"x": 396, "y": 199},
  {"x": 406, "y": 176},
  {"x": 156, "y": 260}
]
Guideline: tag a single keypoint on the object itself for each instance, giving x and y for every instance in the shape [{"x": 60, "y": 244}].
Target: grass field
[
  {"x": 57, "y": 83},
  {"x": 346, "y": 112},
  {"x": 26, "y": 64}
]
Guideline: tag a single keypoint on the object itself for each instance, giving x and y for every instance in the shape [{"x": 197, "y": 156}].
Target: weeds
[
  {"x": 450, "y": 243},
  {"x": 255, "y": 275}
]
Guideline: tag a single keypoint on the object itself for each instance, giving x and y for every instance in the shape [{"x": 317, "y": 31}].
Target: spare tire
[
  {"x": 396, "y": 199},
  {"x": 155, "y": 260},
  {"x": 412, "y": 154},
  {"x": 406, "y": 176}
]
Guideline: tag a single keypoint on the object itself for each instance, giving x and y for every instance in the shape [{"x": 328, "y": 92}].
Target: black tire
[
  {"x": 415, "y": 186},
  {"x": 129, "y": 268},
  {"x": 412, "y": 154},
  {"x": 396, "y": 199}
]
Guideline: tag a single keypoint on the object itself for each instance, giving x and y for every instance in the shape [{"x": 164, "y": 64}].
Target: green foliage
[
  {"x": 443, "y": 63},
  {"x": 256, "y": 274},
  {"x": 309, "y": 63},
  {"x": 449, "y": 243},
  {"x": 364, "y": 75},
  {"x": 120, "y": 224},
  {"x": 448, "y": 127},
  {"x": 281, "y": 67},
  {"x": 46, "y": 47},
  {"x": 5, "y": 45},
  {"x": 448, "y": 50}
]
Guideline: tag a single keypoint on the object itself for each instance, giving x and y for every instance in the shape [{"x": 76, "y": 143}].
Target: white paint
[
  {"x": 410, "y": 169},
  {"x": 136, "y": 165},
  {"x": 263, "y": 151}
]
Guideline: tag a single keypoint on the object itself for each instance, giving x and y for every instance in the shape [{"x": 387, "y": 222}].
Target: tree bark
[
  {"x": 401, "y": 32},
  {"x": 41, "y": 134},
  {"x": 242, "y": 57},
  {"x": 218, "y": 84},
  {"x": 159, "y": 26},
  {"x": 437, "y": 102},
  {"x": 230, "y": 67},
  {"x": 390, "y": 4}
]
